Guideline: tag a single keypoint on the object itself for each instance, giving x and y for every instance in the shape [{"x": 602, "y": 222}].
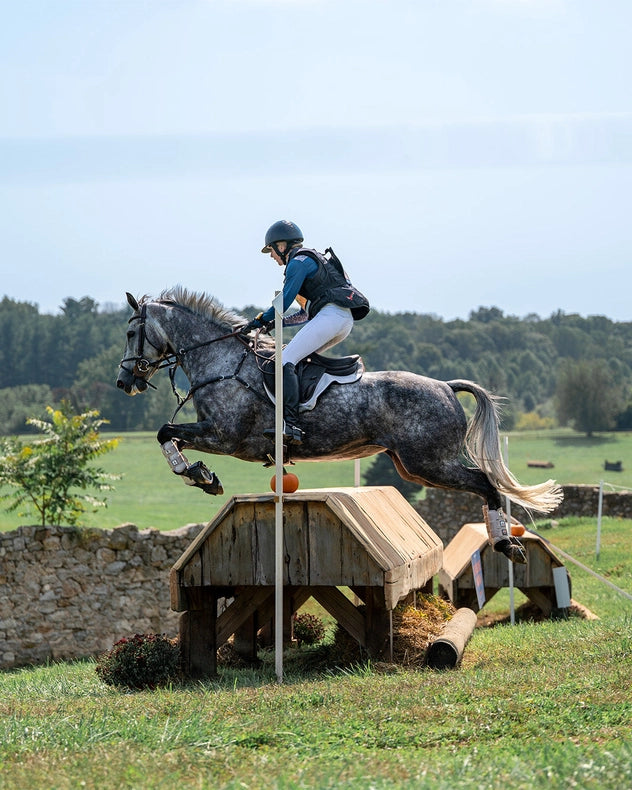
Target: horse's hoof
[
  {"x": 202, "y": 477},
  {"x": 513, "y": 550}
]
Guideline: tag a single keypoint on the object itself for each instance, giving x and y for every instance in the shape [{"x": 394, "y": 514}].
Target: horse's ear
[{"x": 131, "y": 301}]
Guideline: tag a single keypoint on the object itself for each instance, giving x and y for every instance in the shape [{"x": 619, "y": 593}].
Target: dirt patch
[{"x": 528, "y": 612}]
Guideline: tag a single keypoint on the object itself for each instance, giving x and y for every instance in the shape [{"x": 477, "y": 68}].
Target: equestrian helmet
[{"x": 283, "y": 230}]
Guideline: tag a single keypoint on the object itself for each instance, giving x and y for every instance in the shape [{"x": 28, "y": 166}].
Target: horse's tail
[{"x": 482, "y": 442}]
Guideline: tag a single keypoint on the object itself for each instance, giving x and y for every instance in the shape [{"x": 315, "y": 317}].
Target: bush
[
  {"x": 308, "y": 629},
  {"x": 140, "y": 662}
]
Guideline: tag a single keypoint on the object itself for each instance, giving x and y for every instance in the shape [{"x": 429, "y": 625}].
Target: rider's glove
[{"x": 257, "y": 323}]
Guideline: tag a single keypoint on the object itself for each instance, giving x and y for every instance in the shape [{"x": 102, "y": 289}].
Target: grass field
[
  {"x": 149, "y": 495},
  {"x": 535, "y": 705}
]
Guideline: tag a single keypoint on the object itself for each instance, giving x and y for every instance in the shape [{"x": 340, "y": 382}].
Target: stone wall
[
  {"x": 447, "y": 511},
  {"x": 68, "y": 592}
]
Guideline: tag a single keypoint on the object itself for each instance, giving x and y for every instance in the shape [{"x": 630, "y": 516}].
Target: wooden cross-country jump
[{"x": 369, "y": 540}]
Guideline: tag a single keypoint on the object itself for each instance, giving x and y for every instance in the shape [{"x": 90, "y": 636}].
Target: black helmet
[{"x": 283, "y": 230}]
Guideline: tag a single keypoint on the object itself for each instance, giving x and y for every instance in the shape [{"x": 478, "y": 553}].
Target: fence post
[
  {"x": 278, "y": 498},
  {"x": 512, "y": 608},
  {"x": 599, "y": 512}
]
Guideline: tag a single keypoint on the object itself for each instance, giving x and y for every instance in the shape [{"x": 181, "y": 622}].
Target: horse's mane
[{"x": 203, "y": 305}]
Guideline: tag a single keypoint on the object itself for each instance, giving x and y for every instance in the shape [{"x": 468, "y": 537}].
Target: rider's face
[{"x": 282, "y": 245}]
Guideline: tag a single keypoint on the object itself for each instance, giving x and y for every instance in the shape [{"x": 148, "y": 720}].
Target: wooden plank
[
  {"x": 542, "y": 597},
  {"x": 240, "y": 562},
  {"x": 378, "y": 622},
  {"x": 197, "y": 636},
  {"x": 400, "y": 524},
  {"x": 202, "y": 536},
  {"x": 344, "y": 612},
  {"x": 399, "y": 582},
  {"x": 264, "y": 537},
  {"x": 457, "y": 555},
  {"x": 246, "y": 602},
  {"x": 354, "y": 519},
  {"x": 191, "y": 573},
  {"x": 296, "y": 543},
  {"x": 175, "y": 592},
  {"x": 325, "y": 546}
]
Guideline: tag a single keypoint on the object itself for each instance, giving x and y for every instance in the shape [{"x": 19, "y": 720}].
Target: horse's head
[{"x": 145, "y": 349}]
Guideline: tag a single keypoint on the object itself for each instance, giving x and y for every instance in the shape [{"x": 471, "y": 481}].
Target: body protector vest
[{"x": 330, "y": 284}]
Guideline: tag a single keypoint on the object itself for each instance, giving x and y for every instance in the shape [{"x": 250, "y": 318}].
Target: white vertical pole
[
  {"x": 278, "y": 499},
  {"x": 512, "y": 609},
  {"x": 356, "y": 472},
  {"x": 599, "y": 512}
]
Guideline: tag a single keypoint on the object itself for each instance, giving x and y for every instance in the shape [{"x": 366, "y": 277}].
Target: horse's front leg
[{"x": 171, "y": 437}]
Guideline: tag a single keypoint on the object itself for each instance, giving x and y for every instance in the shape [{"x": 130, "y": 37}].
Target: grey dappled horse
[{"x": 417, "y": 421}]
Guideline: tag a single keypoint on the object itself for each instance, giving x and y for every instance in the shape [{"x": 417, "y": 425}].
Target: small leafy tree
[
  {"x": 588, "y": 396},
  {"x": 45, "y": 474}
]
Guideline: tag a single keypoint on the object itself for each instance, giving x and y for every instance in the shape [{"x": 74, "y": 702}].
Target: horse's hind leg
[
  {"x": 450, "y": 475},
  {"x": 454, "y": 475}
]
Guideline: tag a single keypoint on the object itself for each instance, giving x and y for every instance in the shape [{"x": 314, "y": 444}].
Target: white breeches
[{"x": 329, "y": 326}]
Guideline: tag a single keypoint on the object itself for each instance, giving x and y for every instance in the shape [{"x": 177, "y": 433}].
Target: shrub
[
  {"x": 308, "y": 629},
  {"x": 532, "y": 421},
  {"x": 140, "y": 662}
]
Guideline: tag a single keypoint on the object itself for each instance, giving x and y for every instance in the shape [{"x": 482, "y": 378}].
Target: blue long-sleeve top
[{"x": 299, "y": 267}]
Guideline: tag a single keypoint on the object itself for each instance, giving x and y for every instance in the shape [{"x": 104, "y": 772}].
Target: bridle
[{"x": 143, "y": 367}]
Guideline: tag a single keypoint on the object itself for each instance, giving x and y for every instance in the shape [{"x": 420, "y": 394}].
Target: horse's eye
[{"x": 130, "y": 334}]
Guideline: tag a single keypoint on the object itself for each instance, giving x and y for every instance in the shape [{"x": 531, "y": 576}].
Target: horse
[{"x": 417, "y": 421}]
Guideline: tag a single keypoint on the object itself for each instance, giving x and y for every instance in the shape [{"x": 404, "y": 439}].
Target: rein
[
  {"x": 142, "y": 366},
  {"x": 234, "y": 376}
]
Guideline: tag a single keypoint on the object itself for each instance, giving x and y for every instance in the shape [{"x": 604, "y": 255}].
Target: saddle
[{"x": 315, "y": 374}]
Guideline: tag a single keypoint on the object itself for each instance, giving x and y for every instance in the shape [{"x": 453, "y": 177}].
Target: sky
[{"x": 456, "y": 154}]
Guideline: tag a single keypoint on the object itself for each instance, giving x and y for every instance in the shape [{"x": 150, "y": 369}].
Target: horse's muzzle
[{"x": 130, "y": 384}]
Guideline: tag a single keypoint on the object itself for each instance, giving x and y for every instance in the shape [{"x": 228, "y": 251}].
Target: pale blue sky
[{"x": 455, "y": 153}]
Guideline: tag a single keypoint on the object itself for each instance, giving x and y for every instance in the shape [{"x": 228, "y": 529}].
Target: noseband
[{"x": 142, "y": 366}]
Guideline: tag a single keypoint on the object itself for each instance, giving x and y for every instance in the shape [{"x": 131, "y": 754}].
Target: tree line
[{"x": 564, "y": 369}]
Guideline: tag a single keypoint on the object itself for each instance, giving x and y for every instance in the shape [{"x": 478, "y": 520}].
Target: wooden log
[
  {"x": 541, "y": 464},
  {"x": 447, "y": 650}
]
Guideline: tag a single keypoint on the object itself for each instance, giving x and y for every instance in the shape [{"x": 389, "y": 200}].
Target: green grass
[
  {"x": 577, "y": 459},
  {"x": 533, "y": 706},
  {"x": 149, "y": 495},
  {"x": 536, "y": 705},
  {"x": 577, "y": 537}
]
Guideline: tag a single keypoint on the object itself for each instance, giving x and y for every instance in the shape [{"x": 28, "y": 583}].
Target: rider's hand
[{"x": 256, "y": 323}]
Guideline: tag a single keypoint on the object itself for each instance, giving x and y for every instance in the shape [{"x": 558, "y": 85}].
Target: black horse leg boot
[{"x": 292, "y": 434}]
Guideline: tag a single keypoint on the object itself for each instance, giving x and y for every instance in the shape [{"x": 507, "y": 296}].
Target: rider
[{"x": 329, "y": 306}]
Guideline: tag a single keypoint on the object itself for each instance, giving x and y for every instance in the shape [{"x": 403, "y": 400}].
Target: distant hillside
[{"x": 75, "y": 356}]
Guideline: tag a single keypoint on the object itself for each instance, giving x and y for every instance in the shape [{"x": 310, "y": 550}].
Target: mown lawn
[
  {"x": 150, "y": 495},
  {"x": 539, "y": 705},
  {"x": 536, "y": 705}
]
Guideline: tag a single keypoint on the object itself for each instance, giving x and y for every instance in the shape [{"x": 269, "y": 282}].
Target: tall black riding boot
[{"x": 291, "y": 432}]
